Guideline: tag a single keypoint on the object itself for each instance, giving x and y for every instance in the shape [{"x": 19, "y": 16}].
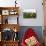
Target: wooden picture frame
[{"x": 5, "y": 12}]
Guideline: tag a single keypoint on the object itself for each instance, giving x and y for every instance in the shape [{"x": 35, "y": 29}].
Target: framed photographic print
[
  {"x": 29, "y": 13},
  {"x": 5, "y": 12}
]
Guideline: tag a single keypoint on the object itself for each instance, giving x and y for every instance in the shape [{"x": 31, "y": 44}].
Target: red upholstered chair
[{"x": 30, "y": 34}]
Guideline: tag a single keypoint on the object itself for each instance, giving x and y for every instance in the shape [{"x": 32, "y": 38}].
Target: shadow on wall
[{"x": 37, "y": 29}]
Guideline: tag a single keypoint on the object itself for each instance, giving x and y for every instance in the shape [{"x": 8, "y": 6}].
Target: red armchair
[{"x": 30, "y": 38}]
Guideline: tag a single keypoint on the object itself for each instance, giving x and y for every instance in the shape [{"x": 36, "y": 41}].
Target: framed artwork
[
  {"x": 5, "y": 12},
  {"x": 29, "y": 13},
  {"x": 12, "y": 12}
]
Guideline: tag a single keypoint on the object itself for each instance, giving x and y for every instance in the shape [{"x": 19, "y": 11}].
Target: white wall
[
  {"x": 27, "y": 4},
  {"x": 7, "y": 3}
]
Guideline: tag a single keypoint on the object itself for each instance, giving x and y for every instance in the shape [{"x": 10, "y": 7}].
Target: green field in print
[{"x": 29, "y": 15}]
